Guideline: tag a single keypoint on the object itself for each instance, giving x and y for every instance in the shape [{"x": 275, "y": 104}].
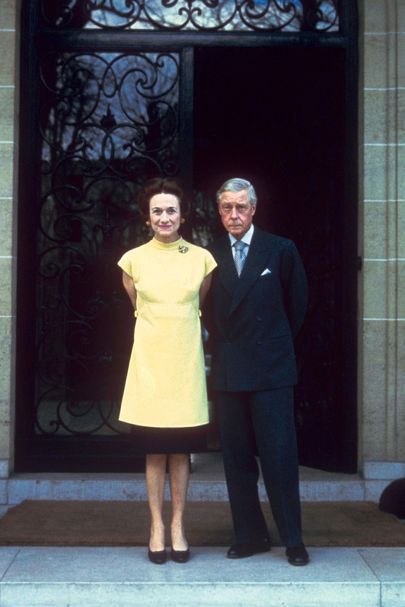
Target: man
[{"x": 257, "y": 304}]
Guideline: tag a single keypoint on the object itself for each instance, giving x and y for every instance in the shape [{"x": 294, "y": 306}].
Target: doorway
[
  {"x": 276, "y": 116},
  {"x": 110, "y": 98}
]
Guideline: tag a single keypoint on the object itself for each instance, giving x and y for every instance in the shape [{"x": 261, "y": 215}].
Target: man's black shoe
[
  {"x": 241, "y": 551},
  {"x": 297, "y": 555}
]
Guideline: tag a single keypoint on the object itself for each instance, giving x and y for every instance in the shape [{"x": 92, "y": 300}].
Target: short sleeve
[
  {"x": 126, "y": 264},
  {"x": 210, "y": 263}
]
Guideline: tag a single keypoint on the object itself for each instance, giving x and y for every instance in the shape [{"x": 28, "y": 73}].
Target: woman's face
[{"x": 164, "y": 214}]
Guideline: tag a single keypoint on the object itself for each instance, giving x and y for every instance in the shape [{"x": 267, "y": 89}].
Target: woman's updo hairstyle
[{"x": 161, "y": 185}]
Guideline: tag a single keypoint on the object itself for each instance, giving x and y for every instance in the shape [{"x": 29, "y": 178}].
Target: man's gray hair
[{"x": 237, "y": 184}]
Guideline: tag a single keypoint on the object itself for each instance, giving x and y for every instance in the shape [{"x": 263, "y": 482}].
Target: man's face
[{"x": 236, "y": 212}]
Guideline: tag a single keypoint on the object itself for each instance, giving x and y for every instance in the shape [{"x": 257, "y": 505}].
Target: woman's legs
[
  {"x": 155, "y": 483},
  {"x": 179, "y": 469}
]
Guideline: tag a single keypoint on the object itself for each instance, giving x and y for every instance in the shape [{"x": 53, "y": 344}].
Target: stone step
[
  {"x": 206, "y": 484},
  {"x": 123, "y": 577},
  {"x": 319, "y": 486}
]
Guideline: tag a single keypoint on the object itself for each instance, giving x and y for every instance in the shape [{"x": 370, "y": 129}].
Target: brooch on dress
[{"x": 183, "y": 248}]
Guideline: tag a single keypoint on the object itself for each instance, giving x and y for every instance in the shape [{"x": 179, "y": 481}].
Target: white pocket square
[{"x": 265, "y": 272}]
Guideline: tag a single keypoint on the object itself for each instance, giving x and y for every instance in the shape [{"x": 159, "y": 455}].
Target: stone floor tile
[
  {"x": 7, "y": 555},
  {"x": 207, "y": 565},
  {"x": 388, "y": 564},
  {"x": 101, "y": 577}
]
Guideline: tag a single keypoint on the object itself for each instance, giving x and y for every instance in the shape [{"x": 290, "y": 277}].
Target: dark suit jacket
[{"x": 252, "y": 320}]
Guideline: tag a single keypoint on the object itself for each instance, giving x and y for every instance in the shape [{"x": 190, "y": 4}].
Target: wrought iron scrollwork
[
  {"x": 197, "y": 15},
  {"x": 108, "y": 121}
]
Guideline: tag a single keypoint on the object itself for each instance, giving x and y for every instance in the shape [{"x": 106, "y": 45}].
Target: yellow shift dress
[{"x": 165, "y": 385}]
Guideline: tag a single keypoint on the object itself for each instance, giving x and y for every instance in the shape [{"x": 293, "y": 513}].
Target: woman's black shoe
[
  {"x": 158, "y": 557},
  {"x": 180, "y": 556}
]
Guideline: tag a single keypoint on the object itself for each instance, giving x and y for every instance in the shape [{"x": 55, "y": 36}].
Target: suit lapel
[{"x": 254, "y": 265}]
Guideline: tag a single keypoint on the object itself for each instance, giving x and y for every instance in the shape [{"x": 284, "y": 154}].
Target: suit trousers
[{"x": 261, "y": 423}]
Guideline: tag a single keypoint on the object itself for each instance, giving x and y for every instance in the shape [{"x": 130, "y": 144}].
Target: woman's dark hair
[{"x": 161, "y": 185}]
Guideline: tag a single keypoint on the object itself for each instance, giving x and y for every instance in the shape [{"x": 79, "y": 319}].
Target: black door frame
[{"x": 33, "y": 454}]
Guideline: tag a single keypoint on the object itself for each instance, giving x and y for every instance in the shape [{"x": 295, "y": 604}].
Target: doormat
[{"x": 118, "y": 523}]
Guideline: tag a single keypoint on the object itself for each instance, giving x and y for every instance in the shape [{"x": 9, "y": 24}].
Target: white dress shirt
[{"x": 246, "y": 238}]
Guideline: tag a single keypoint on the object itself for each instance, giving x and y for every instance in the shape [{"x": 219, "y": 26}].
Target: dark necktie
[{"x": 240, "y": 255}]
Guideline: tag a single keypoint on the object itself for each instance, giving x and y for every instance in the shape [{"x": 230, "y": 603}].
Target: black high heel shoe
[
  {"x": 158, "y": 557},
  {"x": 180, "y": 556}
]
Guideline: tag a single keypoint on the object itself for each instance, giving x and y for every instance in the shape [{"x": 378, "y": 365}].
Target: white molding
[
  {"x": 384, "y": 259},
  {"x": 384, "y": 145},
  {"x": 390, "y": 200},
  {"x": 370, "y": 318},
  {"x": 384, "y": 88},
  {"x": 393, "y": 33}
]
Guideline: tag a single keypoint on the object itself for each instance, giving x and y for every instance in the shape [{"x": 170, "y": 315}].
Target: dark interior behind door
[{"x": 276, "y": 116}]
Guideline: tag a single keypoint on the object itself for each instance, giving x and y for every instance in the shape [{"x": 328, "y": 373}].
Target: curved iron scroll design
[
  {"x": 200, "y": 15},
  {"x": 107, "y": 123}
]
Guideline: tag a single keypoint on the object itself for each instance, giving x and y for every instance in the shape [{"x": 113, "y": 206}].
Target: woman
[{"x": 165, "y": 394}]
